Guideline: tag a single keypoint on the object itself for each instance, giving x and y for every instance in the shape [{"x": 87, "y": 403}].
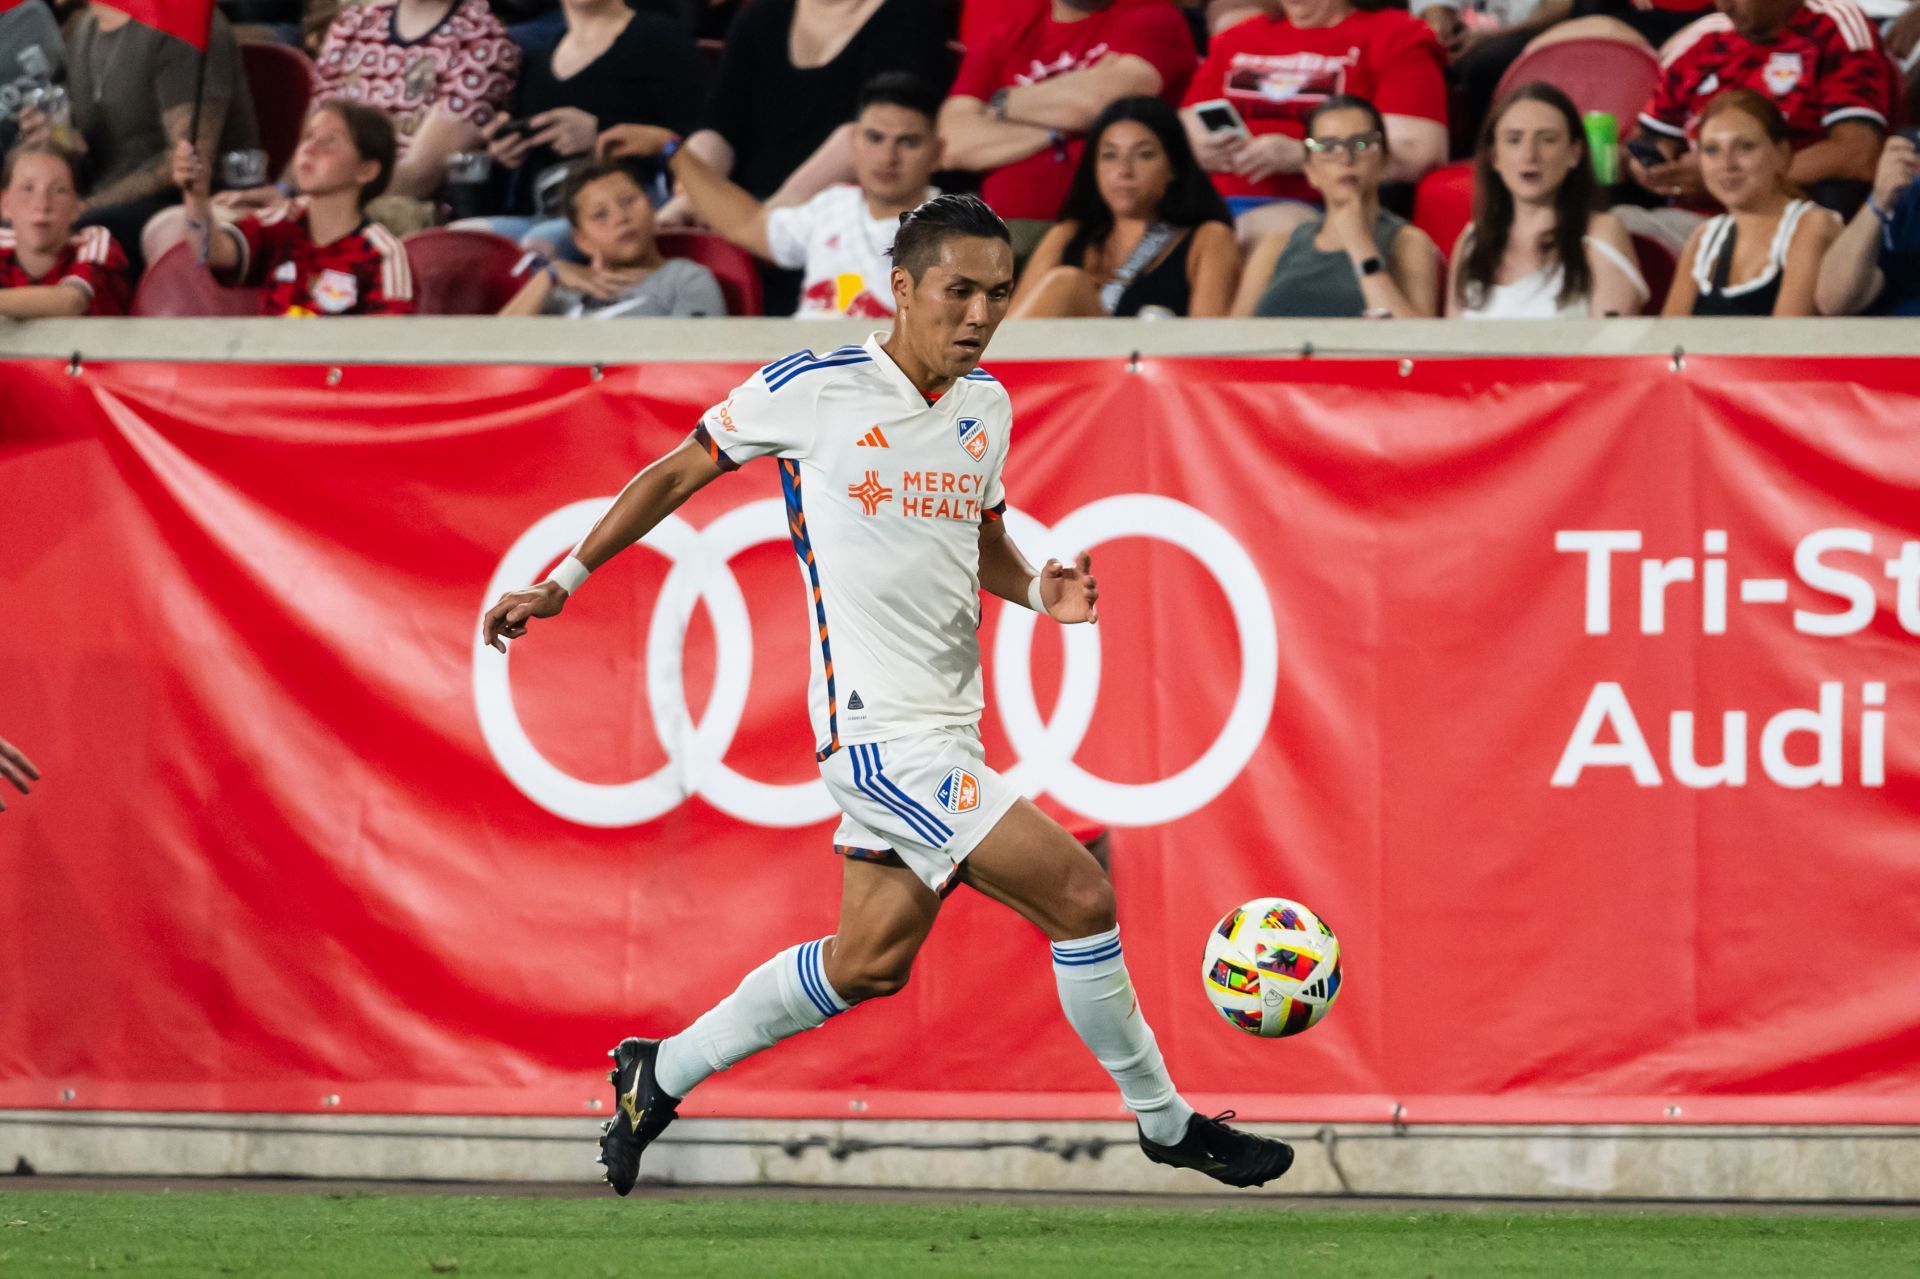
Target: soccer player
[
  {"x": 890, "y": 455},
  {"x": 46, "y": 267},
  {"x": 318, "y": 254}
]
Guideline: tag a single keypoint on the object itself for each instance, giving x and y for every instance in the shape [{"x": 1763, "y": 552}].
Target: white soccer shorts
[{"x": 929, "y": 797}]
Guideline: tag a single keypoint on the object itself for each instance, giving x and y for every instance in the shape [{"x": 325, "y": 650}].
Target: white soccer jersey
[
  {"x": 844, "y": 250},
  {"x": 885, "y": 497}
]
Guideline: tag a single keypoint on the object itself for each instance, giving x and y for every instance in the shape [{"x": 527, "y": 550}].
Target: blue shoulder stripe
[
  {"x": 776, "y": 381},
  {"x": 980, "y": 375},
  {"x": 776, "y": 367},
  {"x": 800, "y": 359}
]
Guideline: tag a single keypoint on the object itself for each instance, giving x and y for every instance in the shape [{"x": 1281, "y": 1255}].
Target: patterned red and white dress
[{"x": 466, "y": 65}]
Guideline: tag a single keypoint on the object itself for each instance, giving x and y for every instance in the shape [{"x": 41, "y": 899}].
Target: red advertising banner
[{"x": 1581, "y": 697}]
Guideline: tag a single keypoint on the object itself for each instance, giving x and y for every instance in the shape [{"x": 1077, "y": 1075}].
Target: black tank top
[
  {"x": 1163, "y": 284},
  {"x": 1757, "y": 296}
]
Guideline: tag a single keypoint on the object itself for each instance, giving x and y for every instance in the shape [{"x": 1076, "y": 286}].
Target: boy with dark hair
[
  {"x": 46, "y": 267},
  {"x": 625, "y": 274},
  {"x": 317, "y": 254},
  {"x": 840, "y": 237}
]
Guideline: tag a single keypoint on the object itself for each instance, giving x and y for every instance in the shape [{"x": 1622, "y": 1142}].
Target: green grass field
[{"x": 363, "y": 1235}]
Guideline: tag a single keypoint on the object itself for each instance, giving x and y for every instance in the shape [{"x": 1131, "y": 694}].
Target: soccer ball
[{"x": 1272, "y": 967}]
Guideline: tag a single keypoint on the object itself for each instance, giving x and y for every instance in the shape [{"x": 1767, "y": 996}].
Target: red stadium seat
[
  {"x": 1443, "y": 203},
  {"x": 461, "y": 272},
  {"x": 282, "y": 82},
  {"x": 178, "y": 286},
  {"x": 1598, "y": 74},
  {"x": 735, "y": 268},
  {"x": 1657, "y": 266}
]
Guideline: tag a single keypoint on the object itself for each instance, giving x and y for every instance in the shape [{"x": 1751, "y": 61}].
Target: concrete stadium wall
[
  {"x": 1822, "y": 1165},
  {"x": 1573, "y": 1163},
  {"x": 483, "y": 340}
]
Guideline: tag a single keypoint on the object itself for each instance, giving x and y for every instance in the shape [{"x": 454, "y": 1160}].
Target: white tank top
[{"x": 1537, "y": 296}]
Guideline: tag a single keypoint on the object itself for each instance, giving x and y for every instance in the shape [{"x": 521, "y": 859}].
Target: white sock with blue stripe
[
  {"x": 779, "y": 999},
  {"x": 1099, "y": 1001}
]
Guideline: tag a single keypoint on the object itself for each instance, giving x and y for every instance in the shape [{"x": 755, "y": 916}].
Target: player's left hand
[{"x": 1070, "y": 593}]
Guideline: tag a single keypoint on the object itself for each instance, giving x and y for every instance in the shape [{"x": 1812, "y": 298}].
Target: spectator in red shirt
[
  {"x": 441, "y": 70},
  {"x": 1276, "y": 69},
  {"x": 1819, "y": 61},
  {"x": 46, "y": 267},
  {"x": 1025, "y": 96},
  {"x": 318, "y": 254}
]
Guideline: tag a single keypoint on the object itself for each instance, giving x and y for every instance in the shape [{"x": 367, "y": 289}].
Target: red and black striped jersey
[
  {"x": 364, "y": 272},
  {"x": 91, "y": 261},
  {"x": 1825, "y": 66}
]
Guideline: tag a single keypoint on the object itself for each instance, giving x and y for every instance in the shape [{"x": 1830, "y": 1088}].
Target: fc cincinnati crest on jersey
[
  {"x": 959, "y": 792},
  {"x": 973, "y": 437}
]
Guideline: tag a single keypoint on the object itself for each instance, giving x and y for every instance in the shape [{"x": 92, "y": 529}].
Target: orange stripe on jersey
[{"x": 803, "y": 547}]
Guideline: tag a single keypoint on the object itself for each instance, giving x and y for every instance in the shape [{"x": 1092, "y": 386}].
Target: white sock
[
  {"x": 779, "y": 999},
  {"x": 1098, "y": 998}
]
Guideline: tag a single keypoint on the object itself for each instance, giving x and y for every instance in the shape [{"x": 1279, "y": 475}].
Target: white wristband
[
  {"x": 568, "y": 574},
  {"x": 1034, "y": 601}
]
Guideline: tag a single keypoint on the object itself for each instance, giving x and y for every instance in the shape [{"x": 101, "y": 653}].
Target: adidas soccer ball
[{"x": 1272, "y": 967}]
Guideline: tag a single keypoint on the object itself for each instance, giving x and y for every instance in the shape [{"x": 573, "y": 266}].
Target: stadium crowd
[{"x": 607, "y": 158}]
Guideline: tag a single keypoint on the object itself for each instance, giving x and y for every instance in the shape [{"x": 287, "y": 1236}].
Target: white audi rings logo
[{"x": 696, "y": 752}]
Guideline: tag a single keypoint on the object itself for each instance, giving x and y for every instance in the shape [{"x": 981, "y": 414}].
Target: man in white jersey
[
  {"x": 890, "y": 455},
  {"x": 839, "y": 239}
]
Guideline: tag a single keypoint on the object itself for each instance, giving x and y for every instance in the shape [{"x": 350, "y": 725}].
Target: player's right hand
[{"x": 508, "y": 619}]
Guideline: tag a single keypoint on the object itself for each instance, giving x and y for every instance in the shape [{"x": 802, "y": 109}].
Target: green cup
[{"x": 1603, "y": 147}]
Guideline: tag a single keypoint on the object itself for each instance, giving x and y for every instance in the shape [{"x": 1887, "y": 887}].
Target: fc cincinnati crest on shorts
[
  {"x": 960, "y": 790},
  {"x": 973, "y": 437}
]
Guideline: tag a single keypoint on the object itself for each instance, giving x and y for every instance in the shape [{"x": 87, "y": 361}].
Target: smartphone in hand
[
  {"x": 1644, "y": 149},
  {"x": 1217, "y": 116}
]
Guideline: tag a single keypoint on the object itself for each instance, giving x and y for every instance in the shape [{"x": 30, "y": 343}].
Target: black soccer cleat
[
  {"x": 641, "y": 1111},
  {"x": 1224, "y": 1154}
]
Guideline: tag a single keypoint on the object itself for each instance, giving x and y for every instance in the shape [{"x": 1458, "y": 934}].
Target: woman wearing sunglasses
[{"x": 1355, "y": 258}]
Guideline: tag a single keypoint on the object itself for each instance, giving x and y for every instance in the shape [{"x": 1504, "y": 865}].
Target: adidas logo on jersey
[
  {"x": 873, "y": 439},
  {"x": 854, "y": 703}
]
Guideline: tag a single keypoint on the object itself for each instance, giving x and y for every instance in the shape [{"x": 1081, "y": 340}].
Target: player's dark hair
[
  {"x": 922, "y": 231},
  {"x": 900, "y": 89},
  {"x": 1573, "y": 205},
  {"x": 371, "y": 133},
  {"x": 582, "y": 176},
  {"x": 1190, "y": 198},
  {"x": 61, "y": 154},
  {"x": 1350, "y": 102}
]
